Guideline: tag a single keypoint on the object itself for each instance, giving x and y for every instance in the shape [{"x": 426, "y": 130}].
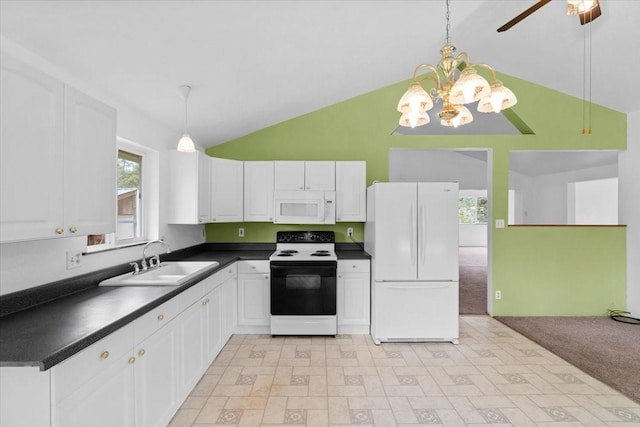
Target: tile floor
[{"x": 494, "y": 376}]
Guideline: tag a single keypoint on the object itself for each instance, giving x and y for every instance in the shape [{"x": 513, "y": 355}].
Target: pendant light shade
[{"x": 185, "y": 145}]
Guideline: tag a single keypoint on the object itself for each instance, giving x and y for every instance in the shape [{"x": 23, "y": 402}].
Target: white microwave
[{"x": 304, "y": 207}]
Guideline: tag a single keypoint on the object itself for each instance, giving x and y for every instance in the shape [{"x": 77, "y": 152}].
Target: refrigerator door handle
[
  {"x": 421, "y": 286},
  {"x": 412, "y": 248},
  {"x": 422, "y": 225}
]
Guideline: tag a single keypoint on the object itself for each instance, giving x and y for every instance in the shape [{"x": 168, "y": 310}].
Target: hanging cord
[
  {"x": 586, "y": 82},
  {"x": 621, "y": 316}
]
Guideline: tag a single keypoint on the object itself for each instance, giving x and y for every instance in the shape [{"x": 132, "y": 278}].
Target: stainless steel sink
[{"x": 170, "y": 273}]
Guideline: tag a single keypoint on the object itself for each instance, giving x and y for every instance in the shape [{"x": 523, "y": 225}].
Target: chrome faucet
[{"x": 152, "y": 264}]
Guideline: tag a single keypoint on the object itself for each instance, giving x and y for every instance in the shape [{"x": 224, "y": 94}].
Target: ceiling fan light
[
  {"x": 470, "y": 87},
  {"x": 415, "y": 99},
  {"x": 414, "y": 119},
  {"x": 185, "y": 145},
  {"x": 575, "y": 7}
]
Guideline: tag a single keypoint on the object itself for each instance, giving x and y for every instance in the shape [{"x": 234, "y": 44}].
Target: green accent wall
[{"x": 584, "y": 282}]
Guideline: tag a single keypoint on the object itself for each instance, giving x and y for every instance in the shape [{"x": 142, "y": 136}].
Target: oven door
[{"x": 303, "y": 288}]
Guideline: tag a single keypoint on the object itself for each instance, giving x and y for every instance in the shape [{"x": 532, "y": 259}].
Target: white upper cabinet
[
  {"x": 227, "y": 197},
  {"x": 258, "y": 191},
  {"x": 351, "y": 191},
  {"x": 320, "y": 176},
  {"x": 189, "y": 188},
  {"x": 58, "y": 153},
  {"x": 289, "y": 175},
  {"x": 300, "y": 175},
  {"x": 90, "y": 157}
]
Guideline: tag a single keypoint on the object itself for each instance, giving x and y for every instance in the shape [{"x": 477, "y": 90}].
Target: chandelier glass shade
[{"x": 455, "y": 82}]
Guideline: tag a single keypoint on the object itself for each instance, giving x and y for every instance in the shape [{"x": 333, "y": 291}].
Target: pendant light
[{"x": 185, "y": 145}]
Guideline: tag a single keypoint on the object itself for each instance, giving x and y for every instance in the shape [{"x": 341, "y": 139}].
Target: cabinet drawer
[
  {"x": 71, "y": 374},
  {"x": 255, "y": 266},
  {"x": 190, "y": 296},
  {"x": 217, "y": 279},
  {"x": 353, "y": 266},
  {"x": 155, "y": 319}
]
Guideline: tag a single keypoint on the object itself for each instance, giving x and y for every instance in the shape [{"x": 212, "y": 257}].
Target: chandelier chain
[{"x": 448, "y": 24}]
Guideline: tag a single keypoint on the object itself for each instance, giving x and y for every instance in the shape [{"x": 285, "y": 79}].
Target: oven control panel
[{"x": 305, "y": 237}]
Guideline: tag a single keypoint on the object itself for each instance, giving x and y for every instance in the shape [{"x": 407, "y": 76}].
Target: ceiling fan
[{"x": 587, "y": 10}]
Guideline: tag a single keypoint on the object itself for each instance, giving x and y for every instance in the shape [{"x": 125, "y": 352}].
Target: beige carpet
[
  {"x": 601, "y": 347},
  {"x": 473, "y": 280}
]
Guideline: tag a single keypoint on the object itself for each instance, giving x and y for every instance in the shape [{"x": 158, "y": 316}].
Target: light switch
[{"x": 499, "y": 223}]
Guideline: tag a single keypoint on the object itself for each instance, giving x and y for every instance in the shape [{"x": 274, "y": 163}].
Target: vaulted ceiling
[{"x": 253, "y": 64}]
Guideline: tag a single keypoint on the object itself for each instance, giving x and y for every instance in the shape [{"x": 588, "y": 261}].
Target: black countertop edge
[
  {"x": 22, "y": 300},
  {"x": 226, "y": 255}
]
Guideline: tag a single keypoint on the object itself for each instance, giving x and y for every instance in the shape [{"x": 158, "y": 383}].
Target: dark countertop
[{"x": 45, "y": 325}]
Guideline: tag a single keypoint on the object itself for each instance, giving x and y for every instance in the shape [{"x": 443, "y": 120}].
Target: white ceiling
[{"x": 256, "y": 63}]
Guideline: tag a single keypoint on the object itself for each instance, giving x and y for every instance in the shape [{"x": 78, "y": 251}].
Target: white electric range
[{"x": 303, "y": 283}]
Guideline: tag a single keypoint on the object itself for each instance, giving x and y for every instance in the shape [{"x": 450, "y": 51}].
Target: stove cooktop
[{"x": 305, "y": 246}]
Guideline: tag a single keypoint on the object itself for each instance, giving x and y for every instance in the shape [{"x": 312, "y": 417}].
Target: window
[
  {"x": 135, "y": 198},
  {"x": 472, "y": 210}
]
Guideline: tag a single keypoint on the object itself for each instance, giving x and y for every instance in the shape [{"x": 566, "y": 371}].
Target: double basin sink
[{"x": 168, "y": 273}]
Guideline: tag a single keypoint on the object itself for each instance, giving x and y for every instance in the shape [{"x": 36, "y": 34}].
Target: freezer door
[
  {"x": 395, "y": 231},
  {"x": 415, "y": 311},
  {"x": 438, "y": 231}
]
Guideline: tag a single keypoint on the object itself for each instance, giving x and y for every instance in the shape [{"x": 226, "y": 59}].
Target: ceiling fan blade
[
  {"x": 523, "y": 15},
  {"x": 590, "y": 15}
]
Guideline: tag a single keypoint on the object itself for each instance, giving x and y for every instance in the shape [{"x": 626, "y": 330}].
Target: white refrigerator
[{"x": 411, "y": 234}]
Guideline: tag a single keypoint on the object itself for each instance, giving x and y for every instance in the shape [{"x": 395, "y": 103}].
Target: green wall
[{"x": 360, "y": 129}]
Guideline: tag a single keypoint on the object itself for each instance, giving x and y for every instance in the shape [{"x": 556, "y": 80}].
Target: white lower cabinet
[
  {"x": 354, "y": 290},
  {"x": 156, "y": 377},
  {"x": 95, "y": 387},
  {"x": 254, "y": 304}
]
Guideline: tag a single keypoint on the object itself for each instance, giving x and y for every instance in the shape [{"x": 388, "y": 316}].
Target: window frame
[{"x": 149, "y": 203}]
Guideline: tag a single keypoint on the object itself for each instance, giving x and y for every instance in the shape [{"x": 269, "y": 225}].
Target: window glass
[{"x": 472, "y": 210}]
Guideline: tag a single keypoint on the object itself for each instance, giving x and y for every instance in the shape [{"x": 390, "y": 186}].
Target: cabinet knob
[
  {"x": 73, "y": 229},
  {"x": 160, "y": 317},
  {"x": 104, "y": 354},
  {"x": 59, "y": 230},
  {"x": 353, "y": 266},
  {"x": 339, "y": 276},
  {"x": 253, "y": 266},
  {"x": 266, "y": 276},
  {"x": 141, "y": 352},
  {"x": 132, "y": 360}
]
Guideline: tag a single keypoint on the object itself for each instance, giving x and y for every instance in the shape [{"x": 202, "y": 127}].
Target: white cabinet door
[
  {"x": 31, "y": 153},
  {"x": 229, "y": 308},
  {"x": 351, "y": 191},
  {"x": 212, "y": 316},
  {"x": 226, "y": 190},
  {"x": 289, "y": 175},
  {"x": 189, "y": 188},
  {"x": 104, "y": 401},
  {"x": 320, "y": 176},
  {"x": 191, "y": 348},
  {"x": 89, "y": 165},
  {"x": 353, "y": 288},
  {"x": 258, "y": 191},
  {"x": 156, "y": 378},
  {"x": 254, "y": 296}
]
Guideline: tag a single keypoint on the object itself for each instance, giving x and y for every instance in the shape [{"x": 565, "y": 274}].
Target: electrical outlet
[
  {"x": 499, "y": 223},
  {"x": 498, "y": 294},
  {"x": 350, "y": 231},
  {"x": 240, "y": 232},
  {"x": 74, "y": 259}
]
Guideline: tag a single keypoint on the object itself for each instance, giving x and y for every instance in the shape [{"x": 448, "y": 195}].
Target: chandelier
[{"x": 456, "y": 83}]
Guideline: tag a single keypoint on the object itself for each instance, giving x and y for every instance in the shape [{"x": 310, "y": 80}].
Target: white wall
[
  {"x": 29, "y": 264},
  {"x": 544, "y": 198},
  {"x": 629, "y": 190}
]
